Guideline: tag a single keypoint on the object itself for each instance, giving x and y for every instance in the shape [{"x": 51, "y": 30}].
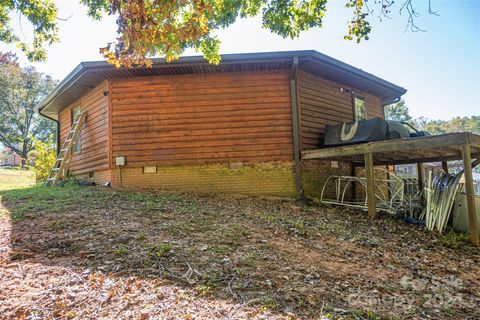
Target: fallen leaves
[{"x": 220, "y": 257}]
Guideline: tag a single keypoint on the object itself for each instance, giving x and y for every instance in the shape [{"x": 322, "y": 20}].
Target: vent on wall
[
  {"x": 235, "y": 165},
  {"x": 149, "y": 169}
]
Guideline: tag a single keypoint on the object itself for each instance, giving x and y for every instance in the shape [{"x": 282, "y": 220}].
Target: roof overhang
[{"x": 88, "y": 75}]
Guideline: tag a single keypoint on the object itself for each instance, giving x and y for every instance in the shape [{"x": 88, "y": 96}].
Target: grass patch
[
  {"x": 141, "y": 236},
  {"x": 15, "y": 178},
  {"x": 269, "y": 303},
  {"x": 160, "y": 251},
  {"x": 333, "y": 228},
  {"x": 249, "y": 259},
  {"x": 39, "y": 200},
  {"x": 120, "y": 251},
  {"x": 454, "y": 239}
]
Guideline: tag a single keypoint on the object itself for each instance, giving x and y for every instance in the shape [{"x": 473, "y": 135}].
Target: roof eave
[
  {"x": 357, "y": 72},
  {"x": 94, "y": 66},
  {"x": 61, "y": 87}
]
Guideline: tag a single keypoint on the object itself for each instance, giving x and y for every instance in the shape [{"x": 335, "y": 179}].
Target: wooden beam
[
  {"x": 445, "y": 166},
  {"x": 403, "y": 145},
  {"x": 389, "y": 172},
  {"x": 393, "y": 168},
  {"x": 353, "y": 172},
  {"x": 392, "y": 160},
  {"x": 428, "y": 159},
  {"x": 421, "y": 175},
  {"x": 372, "y": 210},
  {"x": 472, "y": 211},
  {"x": 474, "y": 140}
]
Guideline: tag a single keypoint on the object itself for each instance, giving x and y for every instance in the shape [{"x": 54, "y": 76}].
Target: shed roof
[
  {"x": 442, "y": 147},
  {"x": 87, "y": 75}
]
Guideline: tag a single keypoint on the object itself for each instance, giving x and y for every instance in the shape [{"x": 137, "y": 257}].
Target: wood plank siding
[
  {"x": 322, "y": 102},
  {"x": 198, "y": 119},
  {"x": 93, "y": 155}
]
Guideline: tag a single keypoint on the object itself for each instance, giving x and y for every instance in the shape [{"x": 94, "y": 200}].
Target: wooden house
[{"x": 236, "y": 127}]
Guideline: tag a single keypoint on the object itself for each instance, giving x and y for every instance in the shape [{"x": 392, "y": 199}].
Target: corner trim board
[{"x": 295, "y": 126}]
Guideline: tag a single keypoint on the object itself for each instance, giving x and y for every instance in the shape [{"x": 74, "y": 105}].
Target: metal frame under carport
[{"x": 463, "y": 146}]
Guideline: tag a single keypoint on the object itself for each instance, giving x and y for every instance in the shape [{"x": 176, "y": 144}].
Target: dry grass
[
  {"x": 14, "y": 178},
  {"x": 85, "y": 253}
]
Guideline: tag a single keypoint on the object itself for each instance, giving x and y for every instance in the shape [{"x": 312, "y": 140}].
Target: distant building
[
  {"x": 411, "y": 168},
  {"x": 9, "y": 158}
]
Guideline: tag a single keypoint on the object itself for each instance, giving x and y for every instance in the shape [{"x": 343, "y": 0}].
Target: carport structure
[{"x": 463, "y": 146}]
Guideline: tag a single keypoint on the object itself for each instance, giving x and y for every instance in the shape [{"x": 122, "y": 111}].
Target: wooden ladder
[{"x": 65, "y": 155}]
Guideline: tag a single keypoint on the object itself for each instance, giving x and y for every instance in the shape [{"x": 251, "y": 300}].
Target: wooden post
[
  {"x": 372, "y": 210},
  {"x": 421, "y": 175},
  {"x": 472, "y": 211},
  {"x": 353, "y": 173},
  {"x": 387, "y": 167},
  {"x": 445, "y": 166}
]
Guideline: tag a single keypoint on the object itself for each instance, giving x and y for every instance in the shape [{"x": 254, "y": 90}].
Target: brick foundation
[
  {"x": 269, "y": 179},
  {"x": 381, "y": 174},
  {"x": 316, "y": 172},
  {"x": 274, "y": 179}
]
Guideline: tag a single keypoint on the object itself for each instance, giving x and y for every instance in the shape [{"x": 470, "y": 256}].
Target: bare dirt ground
[{"x": 86, "y": 253}]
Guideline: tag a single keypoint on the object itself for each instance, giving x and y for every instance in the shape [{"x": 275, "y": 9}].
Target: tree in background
[
  {"x": 21, "y": 89},
  {"x": 399, "y": 111},
  {"x": 457, "y": 124},
  {"x": 166, "y": 28}
]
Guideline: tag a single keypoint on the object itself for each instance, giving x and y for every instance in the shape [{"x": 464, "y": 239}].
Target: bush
[{"x": 42, "y": 159}]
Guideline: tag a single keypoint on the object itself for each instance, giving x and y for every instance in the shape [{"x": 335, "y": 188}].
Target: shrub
[{"x": 41, "y": 159}]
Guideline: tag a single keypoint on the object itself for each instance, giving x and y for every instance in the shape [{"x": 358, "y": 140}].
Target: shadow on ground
[{"x": 73, "y": 252}]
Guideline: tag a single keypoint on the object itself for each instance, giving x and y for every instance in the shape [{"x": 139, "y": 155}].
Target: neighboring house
[
  {"x": 235, "y": 127},
  {"x": 411, "y": 169},
  {"x": 9, "y": 158}
]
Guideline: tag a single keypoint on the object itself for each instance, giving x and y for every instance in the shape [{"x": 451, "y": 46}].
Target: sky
[{"x": 440, "y": 67}]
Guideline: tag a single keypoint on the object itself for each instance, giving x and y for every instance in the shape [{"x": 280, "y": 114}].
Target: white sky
[{"x": 440, "y": 68}]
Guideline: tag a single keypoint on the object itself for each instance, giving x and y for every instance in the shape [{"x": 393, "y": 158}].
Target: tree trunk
[{"x": 24, "y": 155}]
